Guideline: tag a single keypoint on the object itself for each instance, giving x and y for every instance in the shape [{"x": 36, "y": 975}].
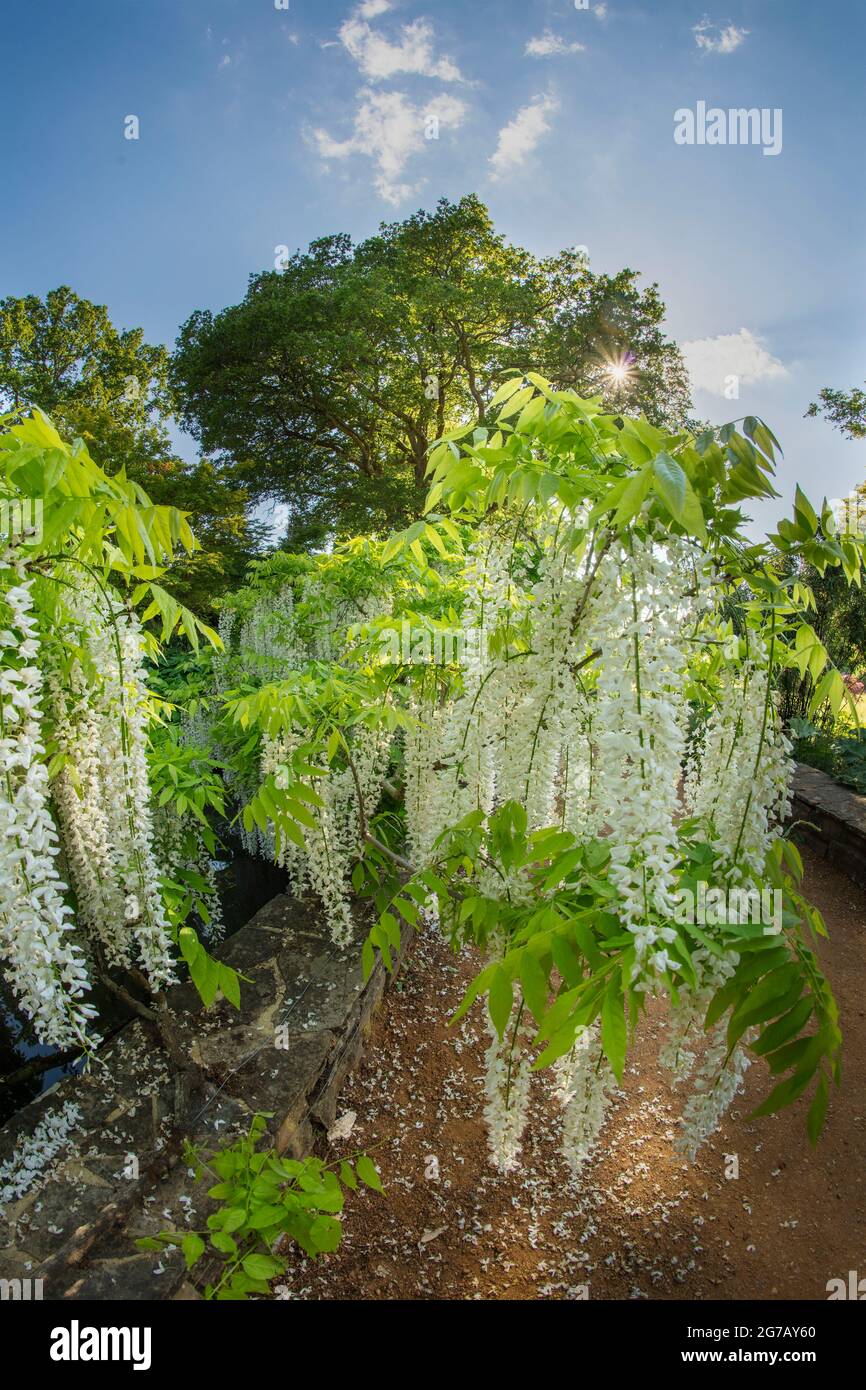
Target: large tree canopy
[
  {"x": 64, "y": 355},
  {"x": 325, "y": 387}
]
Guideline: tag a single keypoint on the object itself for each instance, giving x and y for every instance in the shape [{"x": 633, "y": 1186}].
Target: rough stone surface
[
  {"x": 831, "y": 820},
  {"x": 288, "y": 1050}
]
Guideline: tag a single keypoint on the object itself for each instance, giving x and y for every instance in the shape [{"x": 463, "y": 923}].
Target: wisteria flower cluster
[
  {"x": 43, "y": 963},
  {"x": 100, "y": 707},
  {"x": 81, "y": 883},
  {"x": 603, "y": 737},
  {"x": 619, "y": 709}
]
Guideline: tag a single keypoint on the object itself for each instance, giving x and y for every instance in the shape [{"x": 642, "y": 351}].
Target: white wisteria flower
[{"x": 42, "y": 963}]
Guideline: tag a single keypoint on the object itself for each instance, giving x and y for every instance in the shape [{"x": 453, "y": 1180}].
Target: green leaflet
[{"x": 613, "y": 1028}]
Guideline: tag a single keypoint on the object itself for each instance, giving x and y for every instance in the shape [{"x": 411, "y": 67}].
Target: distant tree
[
  {"x": 844, "y": 409},
  {"x": 64, "y": 355},
  {"x": 326, "y": 385},
  {"x": 841, "y": 615}
]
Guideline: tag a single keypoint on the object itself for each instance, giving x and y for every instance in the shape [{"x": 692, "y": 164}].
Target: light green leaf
[
  {"x": 613, "y": 1027},
  {"x": 366, "y": 1170}
]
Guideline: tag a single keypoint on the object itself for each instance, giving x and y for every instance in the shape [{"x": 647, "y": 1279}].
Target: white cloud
[
  {"x": 224, "y": 62},
  {"x": 379, "y": 58},
  {"x": 743, "y": 355},
  {"x": 389, "y": 130},
  {"x": 519, "y": 138},
  {"x": 549, "y": 45},
  {"x": 600, "y": 11},
  {"x": 710, "y": 38}
]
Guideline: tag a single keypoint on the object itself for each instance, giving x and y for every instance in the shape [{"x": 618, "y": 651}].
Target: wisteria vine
[{"x": 544, "y": 718}]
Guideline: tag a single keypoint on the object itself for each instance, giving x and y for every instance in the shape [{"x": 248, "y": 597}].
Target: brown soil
[{"x": 641, "y": 1222}]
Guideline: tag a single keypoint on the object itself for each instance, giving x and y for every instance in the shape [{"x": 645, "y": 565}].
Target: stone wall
[
  {"x": 832, "y": 821},
  {"x": 305, "y": 1009}
]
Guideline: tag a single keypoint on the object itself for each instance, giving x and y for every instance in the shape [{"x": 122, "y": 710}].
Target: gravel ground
[{"x": 640, "y": 1222}]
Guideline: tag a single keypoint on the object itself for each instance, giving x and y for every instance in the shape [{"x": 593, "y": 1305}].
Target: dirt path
[{"x": 641, "y": 1222}]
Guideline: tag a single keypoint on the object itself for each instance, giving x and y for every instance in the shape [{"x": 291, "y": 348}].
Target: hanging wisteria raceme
[
  {"x": 322, "y": 865},
  {"x": 641, "y": 616},
  {"x": 719, "y": 1077},
  {"x": 41, "y": 961},
  {"x": 104, "y": 801},
  {"x": 740, "y": 786},
  {"x": 543, "y": 752},
  {"x": 583, "y": 1083},
  {"x": 518, "y": 728},
  {"x": 180, "y": 849},
  {"x": 451, "y": 764},
  {"x": 421, "y": 741},
  {"x": 268, "y": 634},
  {"x": 327, "y": 866},
  {"x": 507, "y": 1091},
  {"x": 84, "y": 814}
]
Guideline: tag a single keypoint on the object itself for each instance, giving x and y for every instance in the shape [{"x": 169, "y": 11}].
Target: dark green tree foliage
[
  {"x": 839, "y": 620},
  {"x": 64, "y": 355},
  {"x": 325, "y": 387},
  {"x": 840, "y": 610}
]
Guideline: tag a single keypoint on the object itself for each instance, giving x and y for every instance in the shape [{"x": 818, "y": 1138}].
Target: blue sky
[{"x": 262, "y": 126}]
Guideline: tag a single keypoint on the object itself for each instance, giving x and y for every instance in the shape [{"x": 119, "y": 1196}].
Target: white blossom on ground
[{"x": 33, "y": 1155}]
